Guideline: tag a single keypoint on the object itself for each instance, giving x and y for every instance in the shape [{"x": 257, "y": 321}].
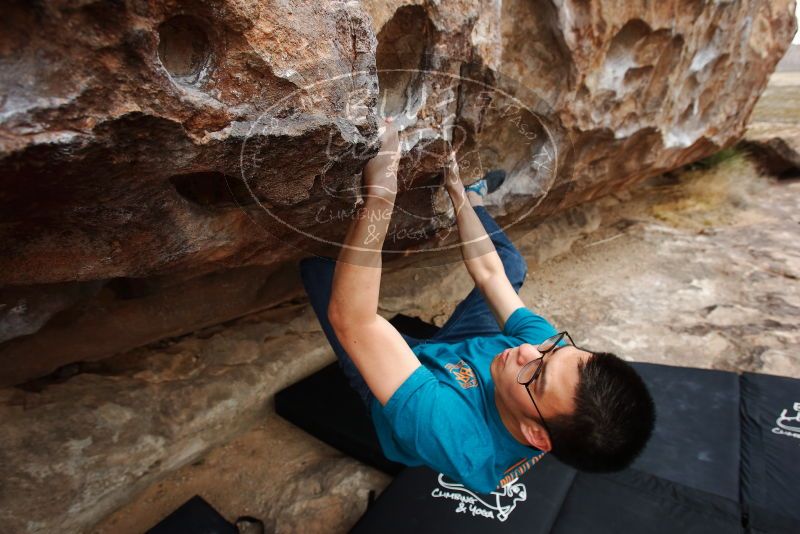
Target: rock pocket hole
[
  {"x": 184, "y": 49},
  {"x": 628, "y": 37},
  {"x": 212, "y": 189},
  {"x": 131, "y": 288}
]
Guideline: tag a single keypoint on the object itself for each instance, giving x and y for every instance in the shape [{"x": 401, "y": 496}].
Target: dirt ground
[{"x": 698, "y": 268}]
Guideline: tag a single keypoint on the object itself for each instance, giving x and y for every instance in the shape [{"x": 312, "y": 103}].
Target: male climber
[{"x": 497, "y": 385}]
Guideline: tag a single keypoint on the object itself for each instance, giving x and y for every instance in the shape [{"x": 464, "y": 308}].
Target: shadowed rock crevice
[
  {"x": 90, "y": 321},
  {"x": 212, "y": 189}
]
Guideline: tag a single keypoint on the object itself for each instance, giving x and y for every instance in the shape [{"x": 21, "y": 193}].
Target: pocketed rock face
[
  {"x": 123, "y": 124},
  {"x": 641, "y": 91},
  {"x": 141, "y": 141},
  {"x": 122, "y": 129}
]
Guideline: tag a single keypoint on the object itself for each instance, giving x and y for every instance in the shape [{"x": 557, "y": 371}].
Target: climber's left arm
[
  {"x": 378, "y": 350},
  {"x": 480, "y": 256}
]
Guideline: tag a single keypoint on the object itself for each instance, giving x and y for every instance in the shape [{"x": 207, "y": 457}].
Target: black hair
[{"x": 613, "y": 419}]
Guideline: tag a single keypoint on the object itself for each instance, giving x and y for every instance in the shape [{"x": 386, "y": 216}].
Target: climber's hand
[
  {"x": 380, "y": 173},
  {"x": 453, "y": 184},
  {"x": 452, "y": 176}
]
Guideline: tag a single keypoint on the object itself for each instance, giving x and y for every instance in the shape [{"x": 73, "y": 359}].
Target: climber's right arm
[{"x": 377, "y": 349}]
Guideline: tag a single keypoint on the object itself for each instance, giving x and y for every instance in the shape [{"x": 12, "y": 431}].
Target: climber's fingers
[{"x": 451, "y": 171}]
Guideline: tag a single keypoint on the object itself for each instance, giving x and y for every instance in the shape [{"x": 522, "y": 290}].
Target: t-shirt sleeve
[
  {"x": 528, "y": 326},
  {"x": 432, "y": 420}
]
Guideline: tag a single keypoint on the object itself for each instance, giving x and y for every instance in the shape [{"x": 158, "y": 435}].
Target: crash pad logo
[
  {"x": 788, "y": 424},
  {"x": 463, "y": 373},
  {"x": 497, "y": 505}
]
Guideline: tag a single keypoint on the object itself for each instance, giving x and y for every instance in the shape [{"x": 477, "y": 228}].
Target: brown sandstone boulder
[{"x": 163, "y": 145}]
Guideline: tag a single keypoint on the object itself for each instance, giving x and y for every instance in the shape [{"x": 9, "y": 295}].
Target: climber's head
[{"x": 591, "y": 409}]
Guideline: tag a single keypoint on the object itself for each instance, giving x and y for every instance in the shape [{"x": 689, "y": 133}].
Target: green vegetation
[
  {"x": 710, "y": 192},
  {"x": 715, "y": 159}
]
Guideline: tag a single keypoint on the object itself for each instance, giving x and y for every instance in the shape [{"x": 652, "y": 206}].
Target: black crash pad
[
  {"x": 714, "y": 464},
  {"x": 696, "y": 440},
  {"x": 195, "y": 516},
  {"x": 551, "y": 498},
  {"x": 771, "y": 452},
  {"x": 697, "y": 434},
  {"x": 632, "y": 501},
  {"x": 325, "y": 406},
  {"x": 420, "y": 500}
]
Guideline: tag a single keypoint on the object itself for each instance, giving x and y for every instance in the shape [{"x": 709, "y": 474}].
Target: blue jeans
[{"x": 471, "y": 318}]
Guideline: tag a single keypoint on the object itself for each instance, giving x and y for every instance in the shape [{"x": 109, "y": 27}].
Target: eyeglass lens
[
  {"x": 550, "y": 342},
  {"x": 532, "y": 368}
]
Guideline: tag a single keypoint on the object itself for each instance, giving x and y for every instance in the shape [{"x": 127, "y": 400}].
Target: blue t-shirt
[{"x": 444, "y": 415}]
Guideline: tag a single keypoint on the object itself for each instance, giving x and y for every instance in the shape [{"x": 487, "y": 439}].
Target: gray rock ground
[
  {"x": 702, "y": 273},
  {"x": 275, "y": 472}
]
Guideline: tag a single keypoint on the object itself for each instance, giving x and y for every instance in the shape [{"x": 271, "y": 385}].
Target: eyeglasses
[{"x": 531, "y": 370}]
